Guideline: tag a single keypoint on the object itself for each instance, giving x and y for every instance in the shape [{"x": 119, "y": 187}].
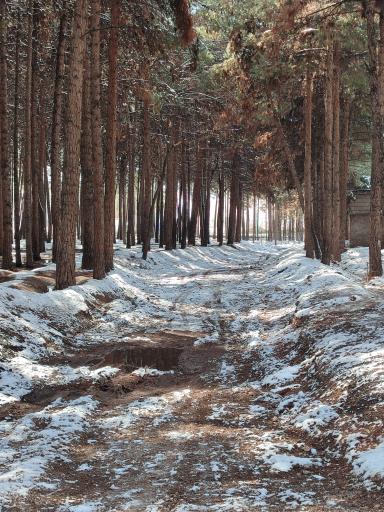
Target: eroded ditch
[{"x": 162, "y": 351}]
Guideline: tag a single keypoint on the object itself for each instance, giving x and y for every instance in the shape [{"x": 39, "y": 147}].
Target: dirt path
[{"x": 206, "y": 432}]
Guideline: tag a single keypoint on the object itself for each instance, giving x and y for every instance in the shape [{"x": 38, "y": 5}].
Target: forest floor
[{"x": 225, "y": 379}]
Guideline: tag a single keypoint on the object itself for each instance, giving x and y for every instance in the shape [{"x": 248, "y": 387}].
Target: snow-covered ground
[{"x": 277, "y": 401}]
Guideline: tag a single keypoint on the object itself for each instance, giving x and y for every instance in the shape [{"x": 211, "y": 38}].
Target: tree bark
[
  {"x": 4, "y": 138},
  {"x": 27, "y": 213},
  {"x": 131, "y": 189},
  {"x": 110, "y": 164},
  {"x": 344, "y": 172},
  {"x": 65, "y": 269},
  {"x": 328, "y": 134},
  {"x": 309, "y": 249},
  {"x": 196, "y": 199},
  {"x": 336, "y": 155},
  {"x": 234, "y": 200},
  {"x": 375, "y": 75},
  {"x": 97, "y": 156},
  {"x": 56, "y": 134},
  {"x": 146, "y": 183},
  {"x": 220, "y": 209},
  {"x": 87, "y": 203}
]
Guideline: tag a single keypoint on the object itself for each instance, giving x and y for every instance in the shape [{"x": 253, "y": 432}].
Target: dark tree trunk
[
  {"x": 35, "y": 135},
  {"x": 16, "y": 170},
  {"x": 336, "y": 156},
  {"x": 220, "y": 210},
  {"x": 146, "y": 183},
  {"x": 27, "y": 214},
  {"x": 239, "y": 212},
  {"x": 344, "y": 172},
  {"x": 131, "y": 190},
  {"x": 110, "y": 164},
  {"x": 234, "y": 201},
  {"x": 196, "y": 199},
  {"x": 98, "y": 184},
  {"x": 184, "y": 187},
  {"x": 5, "y": 168},
  {"x": 375, "y": 75},
  {"x": 328, "y": 139},
  {"x": 56, "y": 132},
  {"x": 87, "y": 195},
  {"x": 309, "y": 249}
]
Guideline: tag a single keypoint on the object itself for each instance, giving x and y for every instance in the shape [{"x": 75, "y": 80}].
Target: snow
[
  {"x": 152, "y": 372},
  {"x": 369, "y": 463},
  {"x": 301, "y": 352},
  {"x": 28, "y": 445},
  {"x": 288, "y": 373},
  {"x": 282, "y": 462},
  {"x": 89, "y": 506}
]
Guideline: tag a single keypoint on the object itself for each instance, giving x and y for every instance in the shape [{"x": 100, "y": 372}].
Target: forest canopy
[{"x": 149, "y": 111}]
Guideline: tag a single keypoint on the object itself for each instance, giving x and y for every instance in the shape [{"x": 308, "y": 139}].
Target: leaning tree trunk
[
  {"x": 65, "y": 269},
  {"x": 98, "y": 184},
  {"x": 110, "y": 164}
]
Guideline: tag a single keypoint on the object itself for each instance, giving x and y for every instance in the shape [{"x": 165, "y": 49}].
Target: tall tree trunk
[
  {"x": 122, "y": 196},
  {"x": 184, "y": 187},
  {"x": 16, "y": 170},
  {"x": 196, "y": 199},
  {"x": 56, "y": 134},
  {"x": 48, "y": 203},
  {"x": 220, "y": 209},
  {"x": 239, "y": 211},
  {"x": 87, "y": 204},
  {"x": 65, "y": 269},
  {"x": 97, "y": 157},
  {"x": 36, "y": 83},
  {"x": 161, "y": 220},
  {"x": 146, "y": 182},
  {"x": 27, "y": 213},
  {"x": 169, "y": 207},
  {"x": 336, "y": 156},
  {"x": 375, "y": 75},
  {"x": 344, "y": 172},
  {"x": 234, "y": 200},
  {"x": 41, "y": 163},
  {"x": 131, "y": 189},
  {"x": 4, "y": 138},
  {"x": 308, "y": 167},
  {"x": 110, "y": 164},
  {"x": 328, "y": 134}
]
